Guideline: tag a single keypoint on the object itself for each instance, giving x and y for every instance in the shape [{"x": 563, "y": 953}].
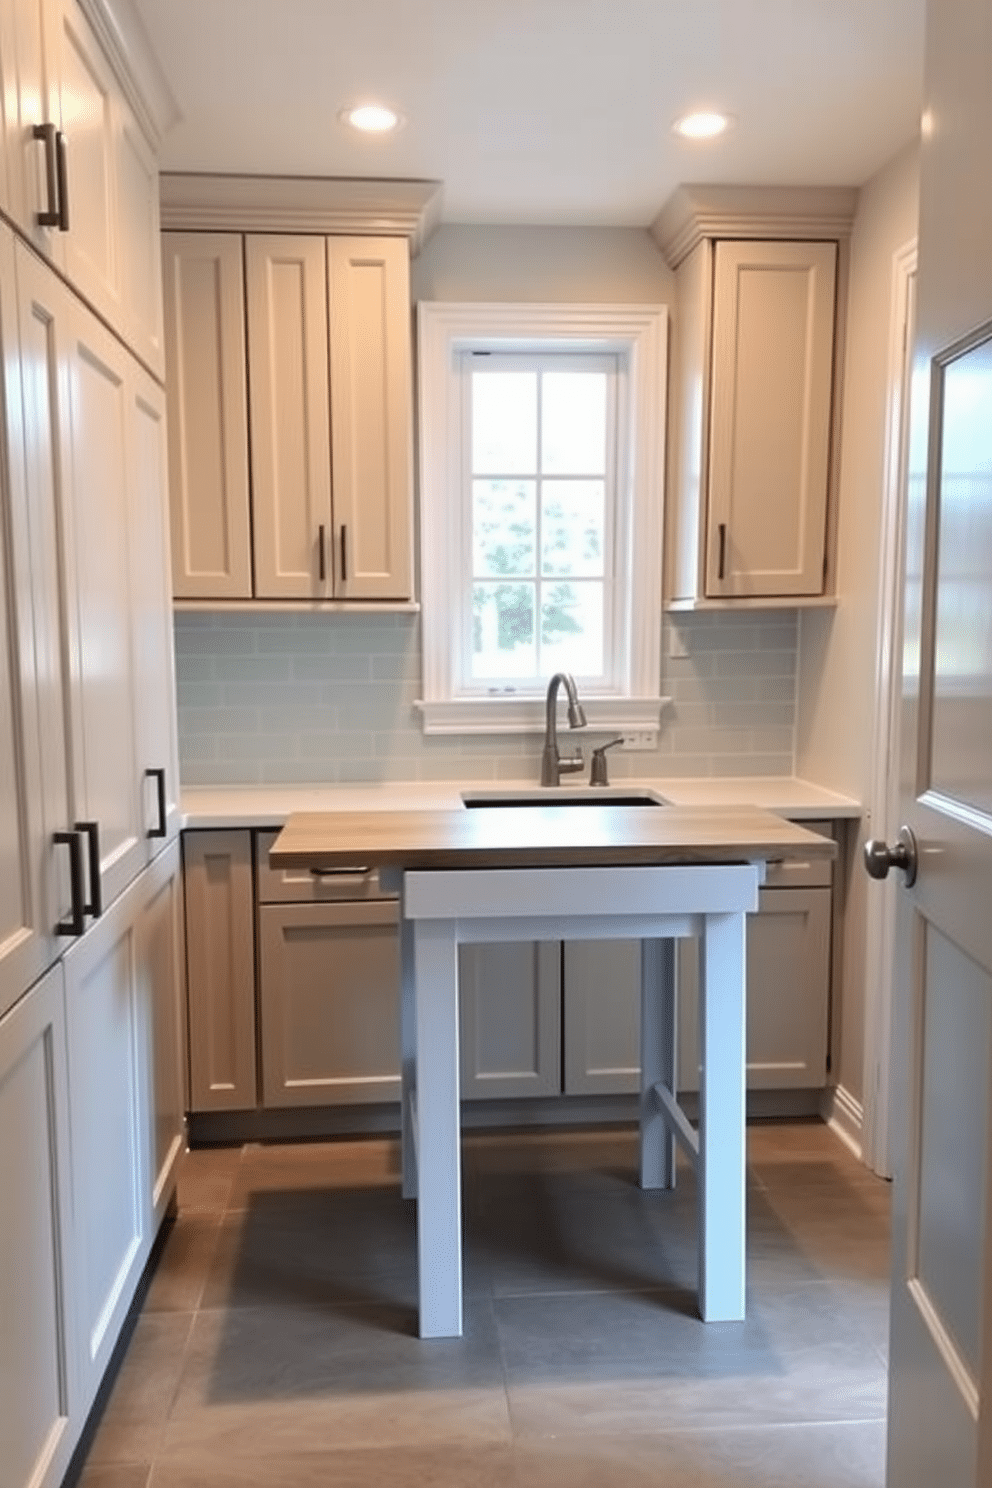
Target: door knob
[{"x": 879, "y": 857}]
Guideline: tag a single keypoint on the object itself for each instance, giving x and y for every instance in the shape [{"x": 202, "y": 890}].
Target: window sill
[{"x": 516, "y": 715}]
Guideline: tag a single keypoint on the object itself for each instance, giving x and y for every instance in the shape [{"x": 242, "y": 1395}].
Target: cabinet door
[
  {"x": 89, "y": 107},
  {"x": 28, "y": 48},
  {"x": 159, "y": 952},
  {"x": 157, "y": 751},
  {"x": 371, "y": 416},
  {"x": 290, "y": 416},
  {"x": 770, "y": 417},
  {"x": 220, "y": 970},
  {"x": 788, "y": 990},
  {"x": 104, "y": 1015},
  {"x": 602, "y": 1003},
  {"x": 26, "y": 944},
  {"x": 510, "y": 1016},
  {"x": 140, "y": 242},
  {"x": 47, "y": 467},
  {"x": 208, "y": 415},
  {"x": 40, "y": 1417},
  {"x": 97, "y": 573},
  {"x": 329, "y": 1001}
]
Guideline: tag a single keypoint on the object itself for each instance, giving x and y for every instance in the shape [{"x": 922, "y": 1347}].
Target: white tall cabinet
[{"x": 91, "y": 1064}]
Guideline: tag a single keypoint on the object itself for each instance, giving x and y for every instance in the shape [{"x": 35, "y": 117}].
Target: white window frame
[{"x": 637, "y": 335}]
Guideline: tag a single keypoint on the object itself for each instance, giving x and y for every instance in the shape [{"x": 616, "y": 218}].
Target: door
[
  {"x": 286, "y": 284},
  {"x": 154, "y": 665},
  {"x": 207, "y": 385},
  {"x": 371, "y": 403},
  {"x": 941, "y": 1346}
]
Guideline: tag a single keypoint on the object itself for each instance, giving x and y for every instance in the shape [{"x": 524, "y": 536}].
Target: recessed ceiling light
[
  {"x": 371, "y": 118},
  {"x": 702, "y": 125}
]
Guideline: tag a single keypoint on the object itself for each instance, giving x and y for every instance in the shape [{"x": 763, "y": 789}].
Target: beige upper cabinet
[
  {"x": 770, "y": 408},
  {"x": 759, "y": 278},
  {"x": 31, "y": 120},
  {"x": 370, "y": 416},
  {"x": 315, "y": 380},
  {"x": 288, "y": 403}
]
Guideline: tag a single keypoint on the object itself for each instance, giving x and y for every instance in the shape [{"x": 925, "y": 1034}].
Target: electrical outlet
[{"x": 640, "y": 739}]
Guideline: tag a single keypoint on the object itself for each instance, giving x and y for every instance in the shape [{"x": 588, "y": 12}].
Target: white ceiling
[{"x": 543, "y": 111}]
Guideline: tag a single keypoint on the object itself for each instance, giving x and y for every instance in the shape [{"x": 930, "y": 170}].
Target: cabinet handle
[
  {"x": 92, "y": 831},
  {"x": 359, "y": 870},
  {"x": 158, "y": 775},
  {"x": 52, "y": 216},
  {"x": 322, "y": 552},
  {"x": 344, "y": 553},
  {"x": 62, "y": 175},
  {"x": 75, "y": 921},
  {"x": 723, "y": 550}
]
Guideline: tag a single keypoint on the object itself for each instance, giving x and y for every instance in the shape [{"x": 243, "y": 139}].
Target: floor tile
[
  {"x": 187, "y": 1247},
  {"x": 275, "y": 1380},
  {"x": 116, "y": 1475},
  {"x": 205, "y": 1178},
  {"x": 131, "y": 1426},
  {"x": 851, "y": 1455}
]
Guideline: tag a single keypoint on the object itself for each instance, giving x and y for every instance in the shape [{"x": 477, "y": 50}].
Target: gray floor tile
[
  {"x": 116, "y": 1475},
  {"x": 134, "y": 1417},
  {"x": 206, "y": 1177},
  {"x": 188, "y": 1244},
  {"x": 273, "y": 1380},
  {"x": 481, "y": 1465}
]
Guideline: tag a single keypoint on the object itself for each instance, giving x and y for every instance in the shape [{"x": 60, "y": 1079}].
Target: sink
[{"x": 564, "y": 796}]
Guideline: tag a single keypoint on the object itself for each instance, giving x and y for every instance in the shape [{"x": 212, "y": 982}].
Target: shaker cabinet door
[
  {"x": 207, "y": 390},
  {"x": 290, "y": 416},
  {"x": 770, "y": 417}
]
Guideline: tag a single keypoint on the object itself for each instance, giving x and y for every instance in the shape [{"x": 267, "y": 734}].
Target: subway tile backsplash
[{"x": 307, "y": 698}]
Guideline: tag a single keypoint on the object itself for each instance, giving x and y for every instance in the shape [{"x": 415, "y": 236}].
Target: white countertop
[{"x": 270, "y": 805}]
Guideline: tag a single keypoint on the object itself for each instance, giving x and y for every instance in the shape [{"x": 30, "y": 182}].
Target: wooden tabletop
[{"x": 565, "y": 836}]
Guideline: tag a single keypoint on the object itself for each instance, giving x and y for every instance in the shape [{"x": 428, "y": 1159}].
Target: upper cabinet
[
  {"x": 289, "y": 354},
  {"x": 758, "y": 341},
  {"x": 79, "y": 174}
]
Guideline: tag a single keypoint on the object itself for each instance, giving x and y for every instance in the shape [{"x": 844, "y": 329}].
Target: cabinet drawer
[
  {"x": 305, "y": 885},
  {"x": 799, "y": 873}
]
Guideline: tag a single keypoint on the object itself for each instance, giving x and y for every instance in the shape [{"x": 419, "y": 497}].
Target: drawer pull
[
  {"x": 344, "y": 872},
  {"x": 91, "y": 831},
  {"x": 75, "y": 921}
]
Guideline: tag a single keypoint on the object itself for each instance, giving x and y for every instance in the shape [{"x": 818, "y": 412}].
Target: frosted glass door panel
[{"x": 962, "y": 701}]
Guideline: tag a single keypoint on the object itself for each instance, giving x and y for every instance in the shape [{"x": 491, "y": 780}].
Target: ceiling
[{"x": 543, "y": 111}]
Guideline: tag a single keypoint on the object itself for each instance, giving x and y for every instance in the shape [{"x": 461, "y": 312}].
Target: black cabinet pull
[
  {"x": 75, "y": 921},
  {"x": 92, "y": 832},
  {"x": 723, "y": 550},
  {"x": 344, "y": 554},
  {"x": 322, "y": 552},
  {"x": 62, "y": 176},
  {"x": 158, "y": 775},
  {"x": 51, "y": 217}
]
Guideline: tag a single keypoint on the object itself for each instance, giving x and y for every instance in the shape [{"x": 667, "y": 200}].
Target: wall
[
  {"x": 300, "y": 697},
  {"x": 307, "y": 698},
  {"x": 838, "y": 650}
]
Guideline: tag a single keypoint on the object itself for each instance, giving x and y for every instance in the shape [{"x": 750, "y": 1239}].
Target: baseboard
[{"x": 845, "y": 1116}]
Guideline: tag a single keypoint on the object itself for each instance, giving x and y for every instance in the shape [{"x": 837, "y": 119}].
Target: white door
[{"x": 940, "y": 1405}]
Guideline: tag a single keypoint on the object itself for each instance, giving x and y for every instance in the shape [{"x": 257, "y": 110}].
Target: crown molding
[
  {"x": 318, "y": 204},
  {"x": 693, "y": 213},
  {"x": 124, "y": 41}
]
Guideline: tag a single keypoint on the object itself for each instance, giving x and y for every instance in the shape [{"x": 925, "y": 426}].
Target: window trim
[{"x": 638, "y": 334}]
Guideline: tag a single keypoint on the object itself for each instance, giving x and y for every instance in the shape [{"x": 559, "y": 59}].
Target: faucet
[{"x": 552, "y": 764}]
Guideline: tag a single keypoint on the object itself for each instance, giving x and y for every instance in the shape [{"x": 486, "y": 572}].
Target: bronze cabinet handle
[
  {"x": 75, "y": 921},
  {"x": 158, "y": 775},
  {"x": 91, "y": 830}
]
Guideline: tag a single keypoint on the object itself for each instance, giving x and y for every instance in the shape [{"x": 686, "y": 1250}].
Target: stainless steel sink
[{"x": 565, "y": 796}]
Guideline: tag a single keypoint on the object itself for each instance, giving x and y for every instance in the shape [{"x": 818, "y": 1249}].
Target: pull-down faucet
[{"x": 552, "y": 764}]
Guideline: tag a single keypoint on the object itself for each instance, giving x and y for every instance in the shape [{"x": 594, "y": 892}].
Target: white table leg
[
  {"x": 658, "y": 1060},
  {"x": 408, "y": 1052},
  {"x": 439, "y": 1218},
  {"x": 722, "y": 1134}
]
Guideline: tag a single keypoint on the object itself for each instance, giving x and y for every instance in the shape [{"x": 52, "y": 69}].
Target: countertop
[
  {"x": 271, "y": 805},
  {"x": 552, "y": 835}
]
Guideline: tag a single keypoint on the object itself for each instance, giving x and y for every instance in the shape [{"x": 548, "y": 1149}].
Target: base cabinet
[
  {"x": 509, "y": 1007},
  {"x": 39, "y": 1390}
]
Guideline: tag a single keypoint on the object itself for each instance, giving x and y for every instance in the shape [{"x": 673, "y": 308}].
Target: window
[{"x": 541, "y": 442}]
